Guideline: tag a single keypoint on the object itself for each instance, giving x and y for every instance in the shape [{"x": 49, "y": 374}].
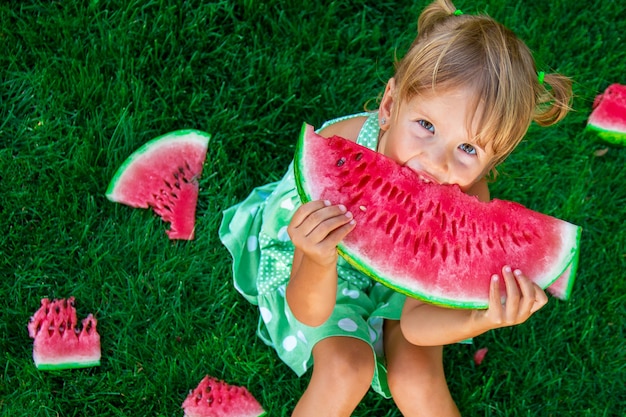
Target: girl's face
[{"x": 433, "y": 135}]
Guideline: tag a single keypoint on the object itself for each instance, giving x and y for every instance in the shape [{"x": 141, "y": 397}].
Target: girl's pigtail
[
  {"x": 434, "y": 14},
  {"x": 553, "y": 103}
]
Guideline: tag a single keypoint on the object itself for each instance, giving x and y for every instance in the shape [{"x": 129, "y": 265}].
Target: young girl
[{"x": 460, "y": 101}]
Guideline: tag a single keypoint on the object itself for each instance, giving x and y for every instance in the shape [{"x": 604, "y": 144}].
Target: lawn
[{"x": 84, "y": 83}]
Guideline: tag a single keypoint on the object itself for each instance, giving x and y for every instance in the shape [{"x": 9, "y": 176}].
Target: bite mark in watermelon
[
  {"x": 163, "y": 175},
  {"x": 59, "y": 342},
  {"x": 427, "y": 240},
  {"x": 608, "y": 117},
  {"x": 215, "y": 398}
]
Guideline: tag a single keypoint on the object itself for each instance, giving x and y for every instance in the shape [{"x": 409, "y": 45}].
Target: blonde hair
[{"x": 475, "y": 51}]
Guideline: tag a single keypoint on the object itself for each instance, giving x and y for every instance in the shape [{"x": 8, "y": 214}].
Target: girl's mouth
[{"x": 425, "y": 177}]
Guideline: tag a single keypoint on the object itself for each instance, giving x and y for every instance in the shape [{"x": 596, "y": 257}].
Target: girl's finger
[
  {"x": 304, "y": 211},
  {"x": 512, "y": 292},
  {"x": 495, "y": 302},
  {"x": 528, "y": 294},
  {"x": 319, "y": 217},
  {"x": 338, "y": 233},
  {"x": 325, "y": 230}
]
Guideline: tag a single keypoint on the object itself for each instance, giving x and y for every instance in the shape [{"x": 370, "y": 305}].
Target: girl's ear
[{"x": 387, "y": 105}]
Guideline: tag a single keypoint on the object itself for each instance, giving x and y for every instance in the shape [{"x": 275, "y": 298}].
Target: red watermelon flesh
[
  {"x": 430, "y": 241},
  {"x": 215, "y": 398},
  {"x": 479, "y": 355},
  {"x": 608, "y": 117},
  {"x": 59, "y": 342},
  {"x": 163, "y": 175}
]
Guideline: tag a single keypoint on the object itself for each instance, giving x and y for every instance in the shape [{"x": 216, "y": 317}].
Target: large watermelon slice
[
  {"x": 215, "y": 398},
  {"x": 163, "y": 175},
  {"x": 59, "y": 342},
  {"x": 608, "y": 118},
  {"x": 431, "y": 241}
]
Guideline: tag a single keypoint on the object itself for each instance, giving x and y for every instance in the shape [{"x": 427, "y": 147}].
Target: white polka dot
[
  {"x": 252, "y": 244},
  {"x": 283, "y": 236},
  {"x": 354, "y": 294},
  {"x": 348, "y": 325},
  {"x": 253, "y": 211},
  {"x": 287, "y": 204},
  {"x": 290, "y": 343},
  {"x": 302, "y": 337},
  {"x": 266, "y": 314},
  {"x": 376, "y": 330},
  {"x": 373, "y": 335}
]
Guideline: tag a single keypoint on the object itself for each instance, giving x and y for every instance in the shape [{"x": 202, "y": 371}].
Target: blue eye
[
  {"x": 467, "y": 148},
  {"x": 427, "y": 125}
]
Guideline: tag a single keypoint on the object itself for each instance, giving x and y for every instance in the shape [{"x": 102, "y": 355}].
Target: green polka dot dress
[{"x": 255, "y": 233}]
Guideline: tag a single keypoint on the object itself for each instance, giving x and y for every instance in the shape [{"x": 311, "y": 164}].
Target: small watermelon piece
[
  {"x": 215, "y": 398},
  {"x": 59, "y": 342},
  {"x": 479, "y": 355},
  {"x": 426, "y": 240},
  {"x": 163, "y": 175},
  {"x": 608, "y": 117}
]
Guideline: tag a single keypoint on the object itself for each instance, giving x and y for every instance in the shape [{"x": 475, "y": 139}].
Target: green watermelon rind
[
  {"x": 300, "y": 180},
  {"x": 358, "y": 264},
  {"x": 149, "y": 147},
  {"x": 67, "y": 365},
  {"x": 574, "y": 268},
  {"x": 611, "y": 136}
]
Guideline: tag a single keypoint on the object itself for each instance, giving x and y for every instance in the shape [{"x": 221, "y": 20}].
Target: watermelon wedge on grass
[
  {"x": 163, "y": 175},
  {"x": 215, "y": 398},
  {"x": 608, "y": 117},
  {"x": 426, "y": 240},
  {"x": 60, "y": 342}
]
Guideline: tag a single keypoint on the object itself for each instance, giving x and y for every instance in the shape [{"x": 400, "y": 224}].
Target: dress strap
[
  {"x": 368, "y": 136},
  {"x": 339, "y": 119}
]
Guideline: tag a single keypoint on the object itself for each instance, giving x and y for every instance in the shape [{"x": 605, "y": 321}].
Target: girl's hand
[
  {"x": 523, "y": 298},
  {"x": 317, "y": 227}
]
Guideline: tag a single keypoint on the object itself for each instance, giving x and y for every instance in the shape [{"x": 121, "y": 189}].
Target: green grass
[{"x": 84, "y": 83}]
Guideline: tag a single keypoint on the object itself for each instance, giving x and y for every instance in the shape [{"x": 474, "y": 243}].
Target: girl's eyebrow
[{"x": 421, "y": 114}]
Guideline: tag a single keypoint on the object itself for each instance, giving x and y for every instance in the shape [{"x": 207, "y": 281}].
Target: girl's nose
[{"x": 437, "y": 164}]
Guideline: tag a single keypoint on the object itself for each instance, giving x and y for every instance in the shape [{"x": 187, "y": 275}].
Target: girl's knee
[
  {"x": 342, "y": 373},
  {"x": 415, "y": 379},
  {"x": 415, "y": 374},
  {"x": 345, "y": 360},
  {"x": 419, "y": 387}
]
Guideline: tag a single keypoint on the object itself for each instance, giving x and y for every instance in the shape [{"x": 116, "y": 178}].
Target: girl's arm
[
  {"x": 315, "y": 230},
  {"x": 429, "y": 325}
]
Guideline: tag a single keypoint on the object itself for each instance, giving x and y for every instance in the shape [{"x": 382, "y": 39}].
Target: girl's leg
[
  {"x": 343, "y": 369},
  {"x": 416, "y": 376}
]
